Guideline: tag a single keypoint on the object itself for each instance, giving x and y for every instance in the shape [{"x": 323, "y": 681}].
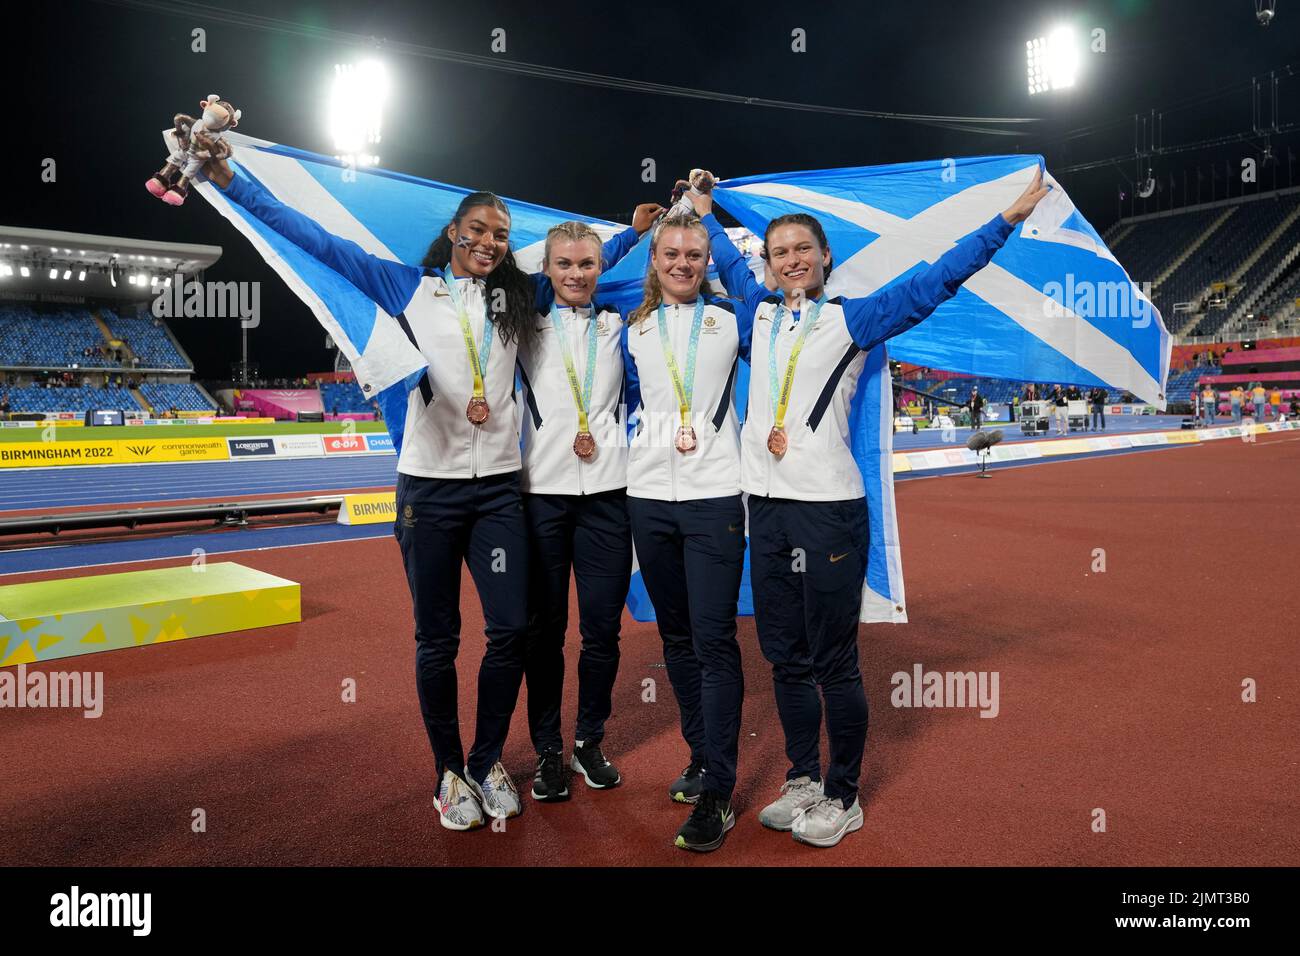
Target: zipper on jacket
[
  {"x": 582, "y": 351},
  {"x": 672, "y": 449}
]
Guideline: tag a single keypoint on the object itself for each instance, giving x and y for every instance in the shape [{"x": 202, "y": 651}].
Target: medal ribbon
[
  {"x": 478, "y": 357},
  {"x": 685, "y": 391},
  {"x": 781, "y": 404},
  {"x": 581, "y": 396}
]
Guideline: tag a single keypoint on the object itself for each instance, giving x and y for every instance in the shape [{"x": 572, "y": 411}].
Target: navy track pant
[
  {"x": 591, "y": 535},
  {"x": 807, "y": 564},
  {"x": 691, "y": 555},
  {"x": 440, "y": 524}
]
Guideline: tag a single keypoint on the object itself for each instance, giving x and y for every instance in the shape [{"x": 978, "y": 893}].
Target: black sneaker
[
  {"x": 595, "y": 769},
  {"x": 548, "y": 781},
  {"x": 687, "y": 787},
  {"x": 707, "y": 825}
]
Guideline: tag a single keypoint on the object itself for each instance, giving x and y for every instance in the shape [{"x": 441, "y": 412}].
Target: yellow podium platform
[{"x": 48, "y": 620}]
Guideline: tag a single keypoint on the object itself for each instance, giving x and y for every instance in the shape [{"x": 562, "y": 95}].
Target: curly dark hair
[{"x": 515, "y": 322}]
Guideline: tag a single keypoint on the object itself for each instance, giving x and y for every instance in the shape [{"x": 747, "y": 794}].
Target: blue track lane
[
  {"x": 53, "y": 557},
  {"x": 57, "y": 556},
  {"x": 125, "y": 484},
  {"x": 23, "y": 489}
]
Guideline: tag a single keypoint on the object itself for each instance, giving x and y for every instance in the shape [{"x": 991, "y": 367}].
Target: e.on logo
[{"x": 337, "y": 443}]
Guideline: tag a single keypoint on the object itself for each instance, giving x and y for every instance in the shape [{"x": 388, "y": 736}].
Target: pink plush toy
[{"x": 171, "y": 184}]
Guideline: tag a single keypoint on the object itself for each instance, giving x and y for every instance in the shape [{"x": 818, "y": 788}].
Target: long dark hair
[
  {"x": 515, "y": 323},
  {"x": 808, "y": 222}
]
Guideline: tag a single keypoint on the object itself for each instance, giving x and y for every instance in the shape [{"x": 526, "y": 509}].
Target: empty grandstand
[
  {"x": 1222, "y": 272},
  {"x": 76, "y": 331}
]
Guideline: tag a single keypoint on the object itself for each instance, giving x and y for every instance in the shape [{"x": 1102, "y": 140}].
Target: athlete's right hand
[
  {"x": 216, "y": 168},
  {"x": 703, "y": 202}
]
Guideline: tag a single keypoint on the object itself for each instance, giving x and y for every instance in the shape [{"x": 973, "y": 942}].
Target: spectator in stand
[
  {"x": 4, "y": 404},
  {"x": 1260, "y": 397},
  {"x": 1060, "y": 403},
  {"x": 1209, "y": 403},
  {"x": 976, "y": 403},
  {"x": 1015, "y": 408},
  {"x": 1098, "y": 398},
  {"x": 1235, "y": 398}
]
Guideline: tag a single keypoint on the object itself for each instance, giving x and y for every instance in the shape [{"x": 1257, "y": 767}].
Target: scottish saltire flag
[
  {"x": 1052, "y": 305},
  {"x": 390, "y": 215},
  {"x": 882, "y": 223},
  {"x": 395, "y": 216}
]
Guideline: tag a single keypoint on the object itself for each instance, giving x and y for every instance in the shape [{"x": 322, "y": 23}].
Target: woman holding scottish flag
[
  {"x": 575, "y": 500},
  {"x": 681, "y": 348},
  {"x": 808, "y": 525},
  {"x": 468, "y": 310}
]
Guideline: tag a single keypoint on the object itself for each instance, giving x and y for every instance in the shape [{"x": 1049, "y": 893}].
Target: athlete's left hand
[
  {"x": 644, "y": 216},
  {"x": 1022, "y": 207}
]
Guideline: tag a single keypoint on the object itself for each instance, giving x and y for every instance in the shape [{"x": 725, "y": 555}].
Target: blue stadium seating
[
  {"x": 32, "y": 398},
  {"x": 343, "y": 397},
  {"x": 147, "y": 341},
  {"x": 49, "y": 340},
  {"x": 182, "y": 396}
]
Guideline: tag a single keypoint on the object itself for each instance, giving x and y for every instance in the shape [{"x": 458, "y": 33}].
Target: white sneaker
[
  {"x": 797, "y": 795},
  {"x": 458, "y": 808},
  {"x": 497, "y": 793},
  {"x": 826, "y": 822}
]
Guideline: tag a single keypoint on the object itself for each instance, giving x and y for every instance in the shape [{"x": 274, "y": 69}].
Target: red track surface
[{"x": 1119, "y": 690}]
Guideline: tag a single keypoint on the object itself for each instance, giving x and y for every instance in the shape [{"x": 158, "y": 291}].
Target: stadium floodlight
[
  {"x": 6, "y": 270},
  {"x": 81, "y": 276},
  {"x": 356, "y": 109},
  {"x": 1053, "y": 61},
  {"x": 67, "y": 274},
  {"x": 54, "y": 273},
  {"x": 25, "y": 272}
]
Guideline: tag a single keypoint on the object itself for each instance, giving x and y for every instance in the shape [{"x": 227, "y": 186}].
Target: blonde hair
[
  {"x": 653, "y": 294},
  {"x": 576, "y": 231}
]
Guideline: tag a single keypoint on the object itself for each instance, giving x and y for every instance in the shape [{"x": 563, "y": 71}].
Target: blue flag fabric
[
  {"x": 1053, "y": 304},
  {"x": 882, "y": 223}
]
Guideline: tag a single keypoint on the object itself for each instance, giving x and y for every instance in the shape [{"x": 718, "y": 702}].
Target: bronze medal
[
  {"x": 685, "y": 439},
  {"x": 584, "y": 445},
  {"x": 777, "y": 442},
  {"x": 477, "y": 411}
]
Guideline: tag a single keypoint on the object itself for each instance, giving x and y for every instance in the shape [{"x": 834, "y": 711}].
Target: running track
[
  {"x": 1118, "y": 690},
  {"x": 42, "y": 489}
]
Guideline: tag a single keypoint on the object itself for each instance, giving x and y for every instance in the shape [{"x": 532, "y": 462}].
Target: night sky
[{"x": 94, "y": 82}]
